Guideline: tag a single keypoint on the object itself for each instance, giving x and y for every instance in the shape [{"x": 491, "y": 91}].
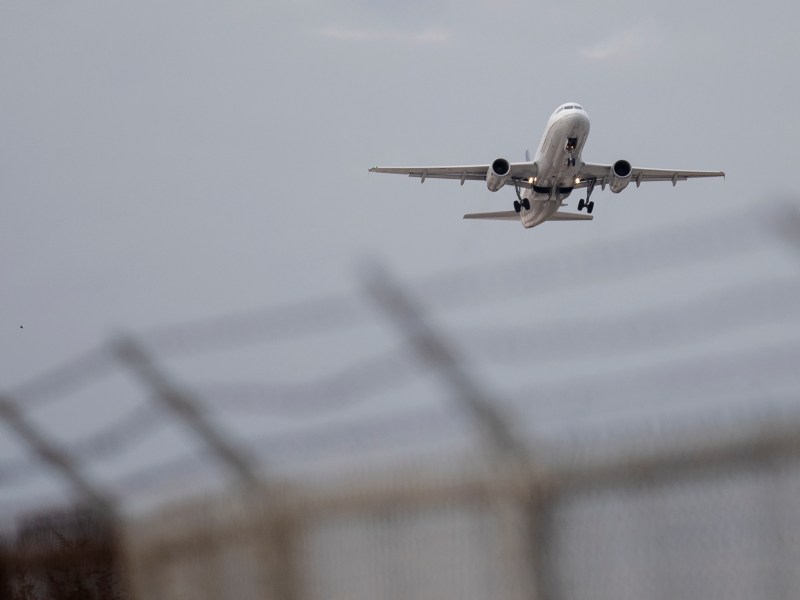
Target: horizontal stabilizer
[
  {"x": 565, "y": 216},
  {"x": 503, "y": 215}
]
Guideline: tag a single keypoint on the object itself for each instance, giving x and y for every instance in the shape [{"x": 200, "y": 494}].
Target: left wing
[
  {"x": 520, "y": 173},
  {"x": 602, "y": 173}
]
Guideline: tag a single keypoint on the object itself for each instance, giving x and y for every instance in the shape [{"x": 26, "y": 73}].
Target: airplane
[{"x": 542, "y": 184}]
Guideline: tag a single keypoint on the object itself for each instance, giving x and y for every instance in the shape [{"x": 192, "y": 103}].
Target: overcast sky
[{"x": 167, "y": 161}]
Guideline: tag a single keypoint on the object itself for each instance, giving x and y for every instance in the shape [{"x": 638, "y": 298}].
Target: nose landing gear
[{"x": 572, "y": 143}]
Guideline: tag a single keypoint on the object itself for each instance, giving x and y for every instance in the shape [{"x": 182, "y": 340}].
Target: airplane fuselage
[{"x": 558, "y": 159}]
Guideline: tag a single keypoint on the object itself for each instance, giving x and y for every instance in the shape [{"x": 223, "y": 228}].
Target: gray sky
[{"x": 167, "y": 161}]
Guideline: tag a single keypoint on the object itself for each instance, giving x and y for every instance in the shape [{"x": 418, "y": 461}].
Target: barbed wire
[
  {"x": 570, "y": 393},
  {"x": 110, "y": 441},
  {"x": 378, "y": 433},
  {"x": 352, "y": 384},
  {"x": 134, "y": 426},
  {"x": 174, "y": 472},
  {"x": 405, "y": 426},
  {"x": 716, "y": 313},
  {"x": 273, "y": 324},
  {"x": 704, "y": 240},
  {"x": 309, "y": 317},
  {"x": 729, "y": 373},
  {"x": 720, "y": 312},
  {"x": 720, "y": 416},
  {"x": 416, "y": 424},
  {"x": 115, "y": 438},
  {"x": 356, "y": 382},
  {"x": 57, "y": 383}
]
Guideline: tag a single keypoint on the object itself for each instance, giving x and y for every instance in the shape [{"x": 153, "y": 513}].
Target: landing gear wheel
[
  {"x": 517, "y": 206},
  {"x": 590, "y": 207},
  {"x": 582, "y": 204},
  {"x": 526, "y": 204}
]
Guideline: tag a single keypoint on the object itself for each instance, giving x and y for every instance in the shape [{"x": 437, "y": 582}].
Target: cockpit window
[{"x": 568, "y": 107}]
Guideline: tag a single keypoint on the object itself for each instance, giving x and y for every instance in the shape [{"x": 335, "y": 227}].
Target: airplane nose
[
  {"x": 580, "y": 118},
  {"x": 577, "y": 117}
]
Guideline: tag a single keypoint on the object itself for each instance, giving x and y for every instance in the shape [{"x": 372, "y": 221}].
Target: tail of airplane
[
  {"x": 510, "y": 215},
  {"x": 503, "y": 215}
]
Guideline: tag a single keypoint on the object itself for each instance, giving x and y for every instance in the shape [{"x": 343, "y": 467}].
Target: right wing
[
  {"x": 602, "y": 174},
  {"x": 521, "y": 173}
]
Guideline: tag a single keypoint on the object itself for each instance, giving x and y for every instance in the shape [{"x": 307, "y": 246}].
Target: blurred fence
[
  {"x": 717, "y": 518},
  {"x": 385, "y": 445}
]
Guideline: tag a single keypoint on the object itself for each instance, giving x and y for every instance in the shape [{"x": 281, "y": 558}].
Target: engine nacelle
[
  {"x": 620, "y": 176},
  {"x": 497, "y": 175}
]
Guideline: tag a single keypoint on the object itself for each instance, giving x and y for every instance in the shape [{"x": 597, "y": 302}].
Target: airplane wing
[
  {"x": 520, "y": 173},
  {"x": 602, "y": 173}
]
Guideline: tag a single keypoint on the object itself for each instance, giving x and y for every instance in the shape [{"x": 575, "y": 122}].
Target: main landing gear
[
  {"x": 518, "y": 206},
  {"x": 521, "y": 202},
  {"x": 589, "y": 206}
]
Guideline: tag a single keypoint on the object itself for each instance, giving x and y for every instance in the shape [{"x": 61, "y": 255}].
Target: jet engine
[
  {"x": 620, "y": 176},
  {"x": 497, "y": 175}
]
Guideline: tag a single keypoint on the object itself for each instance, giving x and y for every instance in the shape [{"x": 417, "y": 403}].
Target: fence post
[
  {"x": 52, "y": 455},
  {"x": 430, "y": 346},
  {"x": 180, "y": 405},
  {"x": 512, "y": 458}
]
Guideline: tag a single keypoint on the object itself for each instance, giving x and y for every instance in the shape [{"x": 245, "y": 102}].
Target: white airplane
[{"x": 544, "y": 183}]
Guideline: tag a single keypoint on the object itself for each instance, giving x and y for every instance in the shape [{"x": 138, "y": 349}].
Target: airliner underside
[{"x": 556, "y": 171}]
